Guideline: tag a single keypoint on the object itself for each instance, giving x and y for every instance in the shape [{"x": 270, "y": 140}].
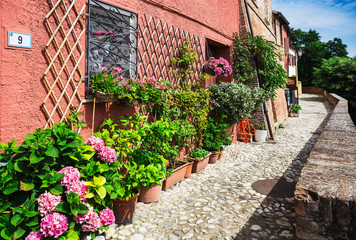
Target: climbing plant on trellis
[
  {"x": 158, "y": 43},
  {"x": 64, "y": 53}
]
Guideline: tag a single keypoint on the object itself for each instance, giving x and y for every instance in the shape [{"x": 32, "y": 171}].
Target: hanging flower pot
[
  {"x": 208, "y": 70},
  {"x": 124, "y": 210},
  {"x": 104, "y": 97}
]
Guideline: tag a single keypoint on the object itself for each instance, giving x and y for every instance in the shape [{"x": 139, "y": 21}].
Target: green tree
[
  {"x": 314, "y": 51},
  {"x": 338, "y": 75}
]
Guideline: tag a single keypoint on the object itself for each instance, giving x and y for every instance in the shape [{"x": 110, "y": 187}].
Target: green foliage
[
  {"x": 248, "y": 49},
  {"x": 236, "y": 101},
  {"x": 296, "y": 108},
  {"x": 216, "y": 134},
  {"x": 314, "y": 50},
  {"x": 259, "y": 126},
  {"x": 183, "y": 63},
  {"x": 74, "y": 121},
  {"x": 338, "y": 75},
  {"x": 199, "y": 153}
]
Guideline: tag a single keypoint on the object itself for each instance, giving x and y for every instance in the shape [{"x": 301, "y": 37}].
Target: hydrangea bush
[{"x": 42, "y": 194}]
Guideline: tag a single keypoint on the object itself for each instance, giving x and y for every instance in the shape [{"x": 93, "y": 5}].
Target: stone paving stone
[{"x": 219, "y": 202}]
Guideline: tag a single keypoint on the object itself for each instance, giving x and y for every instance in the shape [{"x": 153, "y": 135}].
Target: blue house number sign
[{"x": 16, "y": 39}]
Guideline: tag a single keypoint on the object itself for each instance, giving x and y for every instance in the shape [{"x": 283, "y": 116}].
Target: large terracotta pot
[
  {"x": 124, "y": 210},
  {"x": 213, "y": 157},
  {"x": 151, "y": 194},
  {"x": 200, "y": 164},
  {"x": 177, "y": 176}
]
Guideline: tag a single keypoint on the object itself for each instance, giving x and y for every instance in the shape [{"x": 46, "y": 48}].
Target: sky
[{"x": 330, "y": 18}]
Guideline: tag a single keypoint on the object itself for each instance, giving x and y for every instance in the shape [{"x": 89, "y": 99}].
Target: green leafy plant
[
  {"x": 216, "y": 135},
  {"x": 199, "y": 153},
  {"x": 183, "y": 63},
  {"x": 74, "y": 121},
  {"x": 296, "y": 108},
  {"x": 259, "y": 126},
  {"x": 235, "y": 101},
  {"x": 266, "y": 53},
  {"x": 281, "y": 126}
]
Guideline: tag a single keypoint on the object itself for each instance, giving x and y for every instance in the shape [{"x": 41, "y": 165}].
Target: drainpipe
[{"x": 259, "y": 77}]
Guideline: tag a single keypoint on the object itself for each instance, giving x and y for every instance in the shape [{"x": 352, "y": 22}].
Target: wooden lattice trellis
[
  {"x": 64, "y": 53},
  {"x": 158, "y": 43}
]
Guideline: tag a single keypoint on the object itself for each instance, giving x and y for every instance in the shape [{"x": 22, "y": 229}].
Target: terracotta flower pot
[
  {"x": 214, "y": 157},
  {"x": 151, "y": 194},
  {"x": 200, "y": 164},
  {"x": 124, "y": 210},
  {"x": 177, "y": 176},
  {"x": 189, "y": 169}
]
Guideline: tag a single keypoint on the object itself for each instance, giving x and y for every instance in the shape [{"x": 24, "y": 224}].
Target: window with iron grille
[{"x": 111, "y": 39}]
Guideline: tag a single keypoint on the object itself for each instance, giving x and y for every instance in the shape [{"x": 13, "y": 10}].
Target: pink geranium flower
[
  {"x": 53, "y": 225},
  {"x": 103, "y": 68}
]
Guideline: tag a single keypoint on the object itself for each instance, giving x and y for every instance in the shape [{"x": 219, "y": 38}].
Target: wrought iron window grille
[{"x": 112, "y": 40}]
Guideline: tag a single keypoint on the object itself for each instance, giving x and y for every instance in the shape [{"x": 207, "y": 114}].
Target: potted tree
[
  {"x": 295, "y": 110},
  {"x": 260, "y": 132}
]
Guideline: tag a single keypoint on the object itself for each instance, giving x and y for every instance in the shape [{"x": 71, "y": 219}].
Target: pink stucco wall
[{"x": 22, "y": 90}]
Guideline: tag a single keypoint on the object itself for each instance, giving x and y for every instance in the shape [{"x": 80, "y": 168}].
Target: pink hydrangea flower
[
  {"x": 79, "y": 188},
  {"x": 72, "y": 175},
  {"x": 93, "y": 224},
  {"x": 103, "y": 68},
  {"x": 54, "y": 224},
  {"x": 107, "y": 217},
  {"x": 107, "y": 154},
  {"x": 90, "y": 221},
  {"x": 47, "y": 203},
  {"x": 118, "y": 70},
  {"x": 96, "y": 143},
  {"x": 82, "y": 218},
  {"x": 34, "y": 236}
]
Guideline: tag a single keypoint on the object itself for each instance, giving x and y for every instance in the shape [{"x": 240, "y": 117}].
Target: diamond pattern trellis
[
  {"x": 64, "y": 53},
  {"x": 158, "y": 43}
]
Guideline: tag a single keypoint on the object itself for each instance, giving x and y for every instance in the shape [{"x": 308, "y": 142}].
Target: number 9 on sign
[{"x": 22, "y": 40}]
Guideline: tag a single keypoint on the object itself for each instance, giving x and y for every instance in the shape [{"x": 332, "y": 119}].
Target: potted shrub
[
  {"x": 295, "y": 110},
  {"x": 200, "y": 158},
  {"x": 260, "y": 132},
  {"x": 215, "y": 136}
]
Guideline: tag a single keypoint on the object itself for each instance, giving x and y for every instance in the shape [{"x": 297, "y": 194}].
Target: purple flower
[
  {"x": 54, "y": 224},
  {"x": 107, "y": 217},
  {"x": 72, "y": 175},
  {"x": 47, "y": 203},
  {"x": 34, "y": 236}
]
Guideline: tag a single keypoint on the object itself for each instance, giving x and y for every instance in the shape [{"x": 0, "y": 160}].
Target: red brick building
[{"x": 47, "y": 51}]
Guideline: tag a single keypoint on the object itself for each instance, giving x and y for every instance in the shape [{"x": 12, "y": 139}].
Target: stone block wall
[{"x": 325, "y": 195}]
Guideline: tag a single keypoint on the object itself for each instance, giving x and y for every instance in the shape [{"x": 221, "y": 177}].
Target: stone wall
[{"x": 325, "y": 195}]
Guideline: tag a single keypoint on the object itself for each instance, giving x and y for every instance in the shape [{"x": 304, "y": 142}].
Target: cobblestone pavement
[{"x": 219, "y": 202}]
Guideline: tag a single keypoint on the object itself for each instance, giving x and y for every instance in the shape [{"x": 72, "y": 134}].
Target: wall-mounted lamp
[{"x": 300, "y": 53}]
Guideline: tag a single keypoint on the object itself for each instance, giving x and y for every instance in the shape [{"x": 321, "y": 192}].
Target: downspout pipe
[{"x": 259, "y": 77}]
